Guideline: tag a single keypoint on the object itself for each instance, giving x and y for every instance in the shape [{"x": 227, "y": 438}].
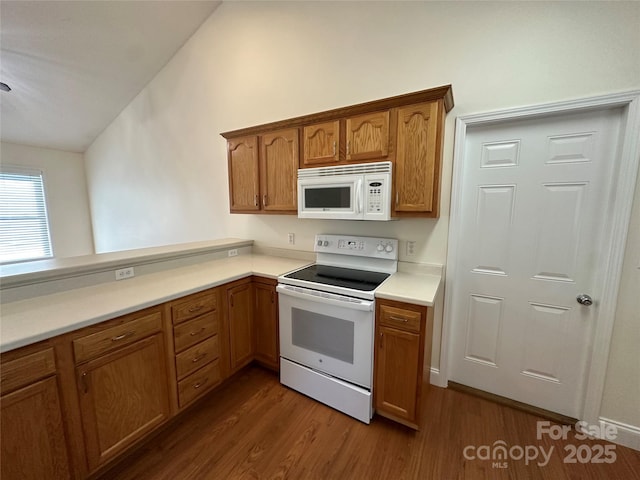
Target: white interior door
[{"x": 535, "y": 198}]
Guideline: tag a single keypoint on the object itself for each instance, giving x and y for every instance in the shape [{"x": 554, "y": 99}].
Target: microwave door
[{"x": 330, "y": 197}]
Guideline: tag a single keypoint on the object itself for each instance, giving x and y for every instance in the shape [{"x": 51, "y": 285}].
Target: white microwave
[{"x": 349, "y": 192}]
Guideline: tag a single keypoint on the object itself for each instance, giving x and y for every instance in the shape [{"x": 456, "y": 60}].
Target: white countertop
[
  {"x": 28, "y": 321},
  {"x": 415, "y": 288},
  {"x": 35, "y": 319}
]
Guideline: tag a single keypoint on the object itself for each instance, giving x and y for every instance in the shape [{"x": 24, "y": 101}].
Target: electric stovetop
[{"x": 340, "y": 277}]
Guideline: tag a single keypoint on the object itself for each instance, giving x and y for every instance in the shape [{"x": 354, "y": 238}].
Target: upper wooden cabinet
[
  {"x": 244, "y": 186},
  {"x": 320, "y": 144},
  {"x": 418, "y": 160},
  {"x": 279, "y": 158},
  {"x": 406, "y": 130},
  {"x": 264, "y": 179},
  {"x": 367, "y": 137}
]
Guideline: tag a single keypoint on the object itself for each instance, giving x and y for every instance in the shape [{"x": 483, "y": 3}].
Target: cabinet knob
[{"x": 264, "y": 200}]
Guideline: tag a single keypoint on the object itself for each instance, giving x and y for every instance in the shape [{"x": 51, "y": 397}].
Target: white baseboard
[
  {"x": 437, "y": 379},
  {"x": 627, "y": 435}
]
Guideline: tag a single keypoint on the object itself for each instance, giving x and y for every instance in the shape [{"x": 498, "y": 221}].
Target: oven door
[
  {"x": 335, "y": 197},
  {"x": 327, "y": 332}
]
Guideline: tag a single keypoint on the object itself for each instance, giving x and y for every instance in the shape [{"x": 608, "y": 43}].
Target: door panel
[{"x": 535, "y": 194}]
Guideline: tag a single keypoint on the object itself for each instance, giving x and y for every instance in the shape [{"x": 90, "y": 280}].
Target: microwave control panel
[{"x": 374, "y": 196}]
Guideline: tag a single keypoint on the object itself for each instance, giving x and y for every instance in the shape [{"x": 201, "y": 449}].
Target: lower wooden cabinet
[
  {"x": 240, "y": 318},
  {"x": 266, "y": 322},
  {"x": 123, "y": 396},
  {"x": 402, "y": 360},
  {"x": 32, "y": 443}
]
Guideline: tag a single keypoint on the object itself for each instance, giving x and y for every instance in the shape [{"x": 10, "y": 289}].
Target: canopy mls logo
[{"x": 500, "y": 452}]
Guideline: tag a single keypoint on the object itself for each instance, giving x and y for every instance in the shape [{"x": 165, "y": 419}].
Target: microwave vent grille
[{"x": 357, "y": 169}]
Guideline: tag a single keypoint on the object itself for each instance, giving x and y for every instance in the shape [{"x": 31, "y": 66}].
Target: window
[{"x": 24, "y": 228}]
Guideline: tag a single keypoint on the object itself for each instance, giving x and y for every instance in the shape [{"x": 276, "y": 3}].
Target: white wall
[
  {"x": 66, "y": 195},
  {"x": 158, "y": 174}
]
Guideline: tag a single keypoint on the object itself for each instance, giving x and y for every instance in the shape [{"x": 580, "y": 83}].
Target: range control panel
[{"x": 373, "y": 247}]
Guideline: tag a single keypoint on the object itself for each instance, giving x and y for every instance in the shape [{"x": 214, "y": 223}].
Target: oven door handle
[{"x": 307, "y": 294}]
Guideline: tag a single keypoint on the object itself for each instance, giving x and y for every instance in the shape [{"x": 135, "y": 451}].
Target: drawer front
[
  {"x": 26, "y": 370},
  {"x": 96, "y": 344},
  {"x": 188, "y": 334},
  {"x": 192, "y": 359},
  {"x": 199, "y": 382},
  {"x": 400, "y": 318},
  {"x": 193, "y": 307}
]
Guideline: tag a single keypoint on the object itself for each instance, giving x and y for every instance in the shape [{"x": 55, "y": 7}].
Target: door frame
[{"x": 624, "y": 182}]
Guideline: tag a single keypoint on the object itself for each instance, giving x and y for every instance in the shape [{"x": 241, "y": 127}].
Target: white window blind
[{"x": 24, "y": 227}]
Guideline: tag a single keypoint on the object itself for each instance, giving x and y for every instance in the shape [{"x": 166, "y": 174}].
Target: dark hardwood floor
[{"x": 256, "y": 428}]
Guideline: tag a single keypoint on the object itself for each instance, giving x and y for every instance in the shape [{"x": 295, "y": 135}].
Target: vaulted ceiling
[{"x": 74, "y": 65}]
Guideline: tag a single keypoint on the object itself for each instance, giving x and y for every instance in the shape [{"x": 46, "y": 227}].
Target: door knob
[{"x": 584, "y": 299}]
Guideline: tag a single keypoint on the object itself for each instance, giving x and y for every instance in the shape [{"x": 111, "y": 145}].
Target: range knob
[
  {"x": 381, "y": 248},
  {"x": 325, "y": 243},
  {"x": 319, "y": 243},
  {"x": 388, "y": 248}
]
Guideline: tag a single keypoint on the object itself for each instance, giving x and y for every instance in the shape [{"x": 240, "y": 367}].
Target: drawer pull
[
  {"x": 197, "y": 332},
  {"x": 399, "y": 319},
  {"x": 199, "y": 384},
  {"x": 198, "y": 358},
  {"x": 123, "y": 336},
  {"x": 195, "y": 309}
]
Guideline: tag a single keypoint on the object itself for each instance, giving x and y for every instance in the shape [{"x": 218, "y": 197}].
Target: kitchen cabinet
[
  {"x": 195, "y": 347},
  {"x": 240, "y": 311},
  {"x": 266, "y": 322},
  {"x": 320, "y": 144},
  {"x": 279, "y": 158},
  {"x": 367, "y": 137},
  {"x": 406, "y": 130},
  {"x": 402, "y": 360},
  {"x": 264, "y": 179},
  {"x": 121, "y": 385},
  {"x": 32, "y": 441},
  {"x": 244, "y": 180},
  {"x": 418, "y": 159}
]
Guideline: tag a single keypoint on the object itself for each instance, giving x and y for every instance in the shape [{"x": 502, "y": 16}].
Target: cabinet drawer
[
  {"x": 400, "y": 318},
  {"x": 198, "y": 382},
  {"x": 193, "y": 307},
  {"x": 96, "y": 344},
  {"x": 197, "y": 356},
  {"x": 27, "y": 369},
  {"x": 194, "y": 331}
]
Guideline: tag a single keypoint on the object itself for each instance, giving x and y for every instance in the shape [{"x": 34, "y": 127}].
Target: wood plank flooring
[{"x": 255, "y": 428}]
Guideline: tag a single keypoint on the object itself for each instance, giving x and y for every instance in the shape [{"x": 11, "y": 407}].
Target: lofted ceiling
[{"x": 74, "y": 65}]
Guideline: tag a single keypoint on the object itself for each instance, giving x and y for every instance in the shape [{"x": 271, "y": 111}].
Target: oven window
[
  {"x": 322, "y": 334},
  {"x": 327, "y": 197}
]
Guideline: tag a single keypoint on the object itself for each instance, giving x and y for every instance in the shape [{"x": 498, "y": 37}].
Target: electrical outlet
[
  {"x": 123, "y": 273},
  {"x": 292, "y": 238},
  {"x": 233, "y": 252},
  {"x": 411, "y": 248}
]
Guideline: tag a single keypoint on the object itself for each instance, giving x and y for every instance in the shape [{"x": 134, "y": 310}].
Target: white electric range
[{"x": 327, "y": 314}]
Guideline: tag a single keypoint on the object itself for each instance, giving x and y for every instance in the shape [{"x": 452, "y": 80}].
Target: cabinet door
[
  {"x": 244, "y": 186},
  {"x": 279, "y": 157},
  {"x": 266, "y": 324},
  {"x": 320, "y": 144},
  {"x": 397, "y": 373},
  {"x": 368, "y": 136},
  {"x": 240, "y": 312},
  {"x": 417, "y": 166},
  {"x": 32, "y": 442},
  {"x": 123, "y": 396}
]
